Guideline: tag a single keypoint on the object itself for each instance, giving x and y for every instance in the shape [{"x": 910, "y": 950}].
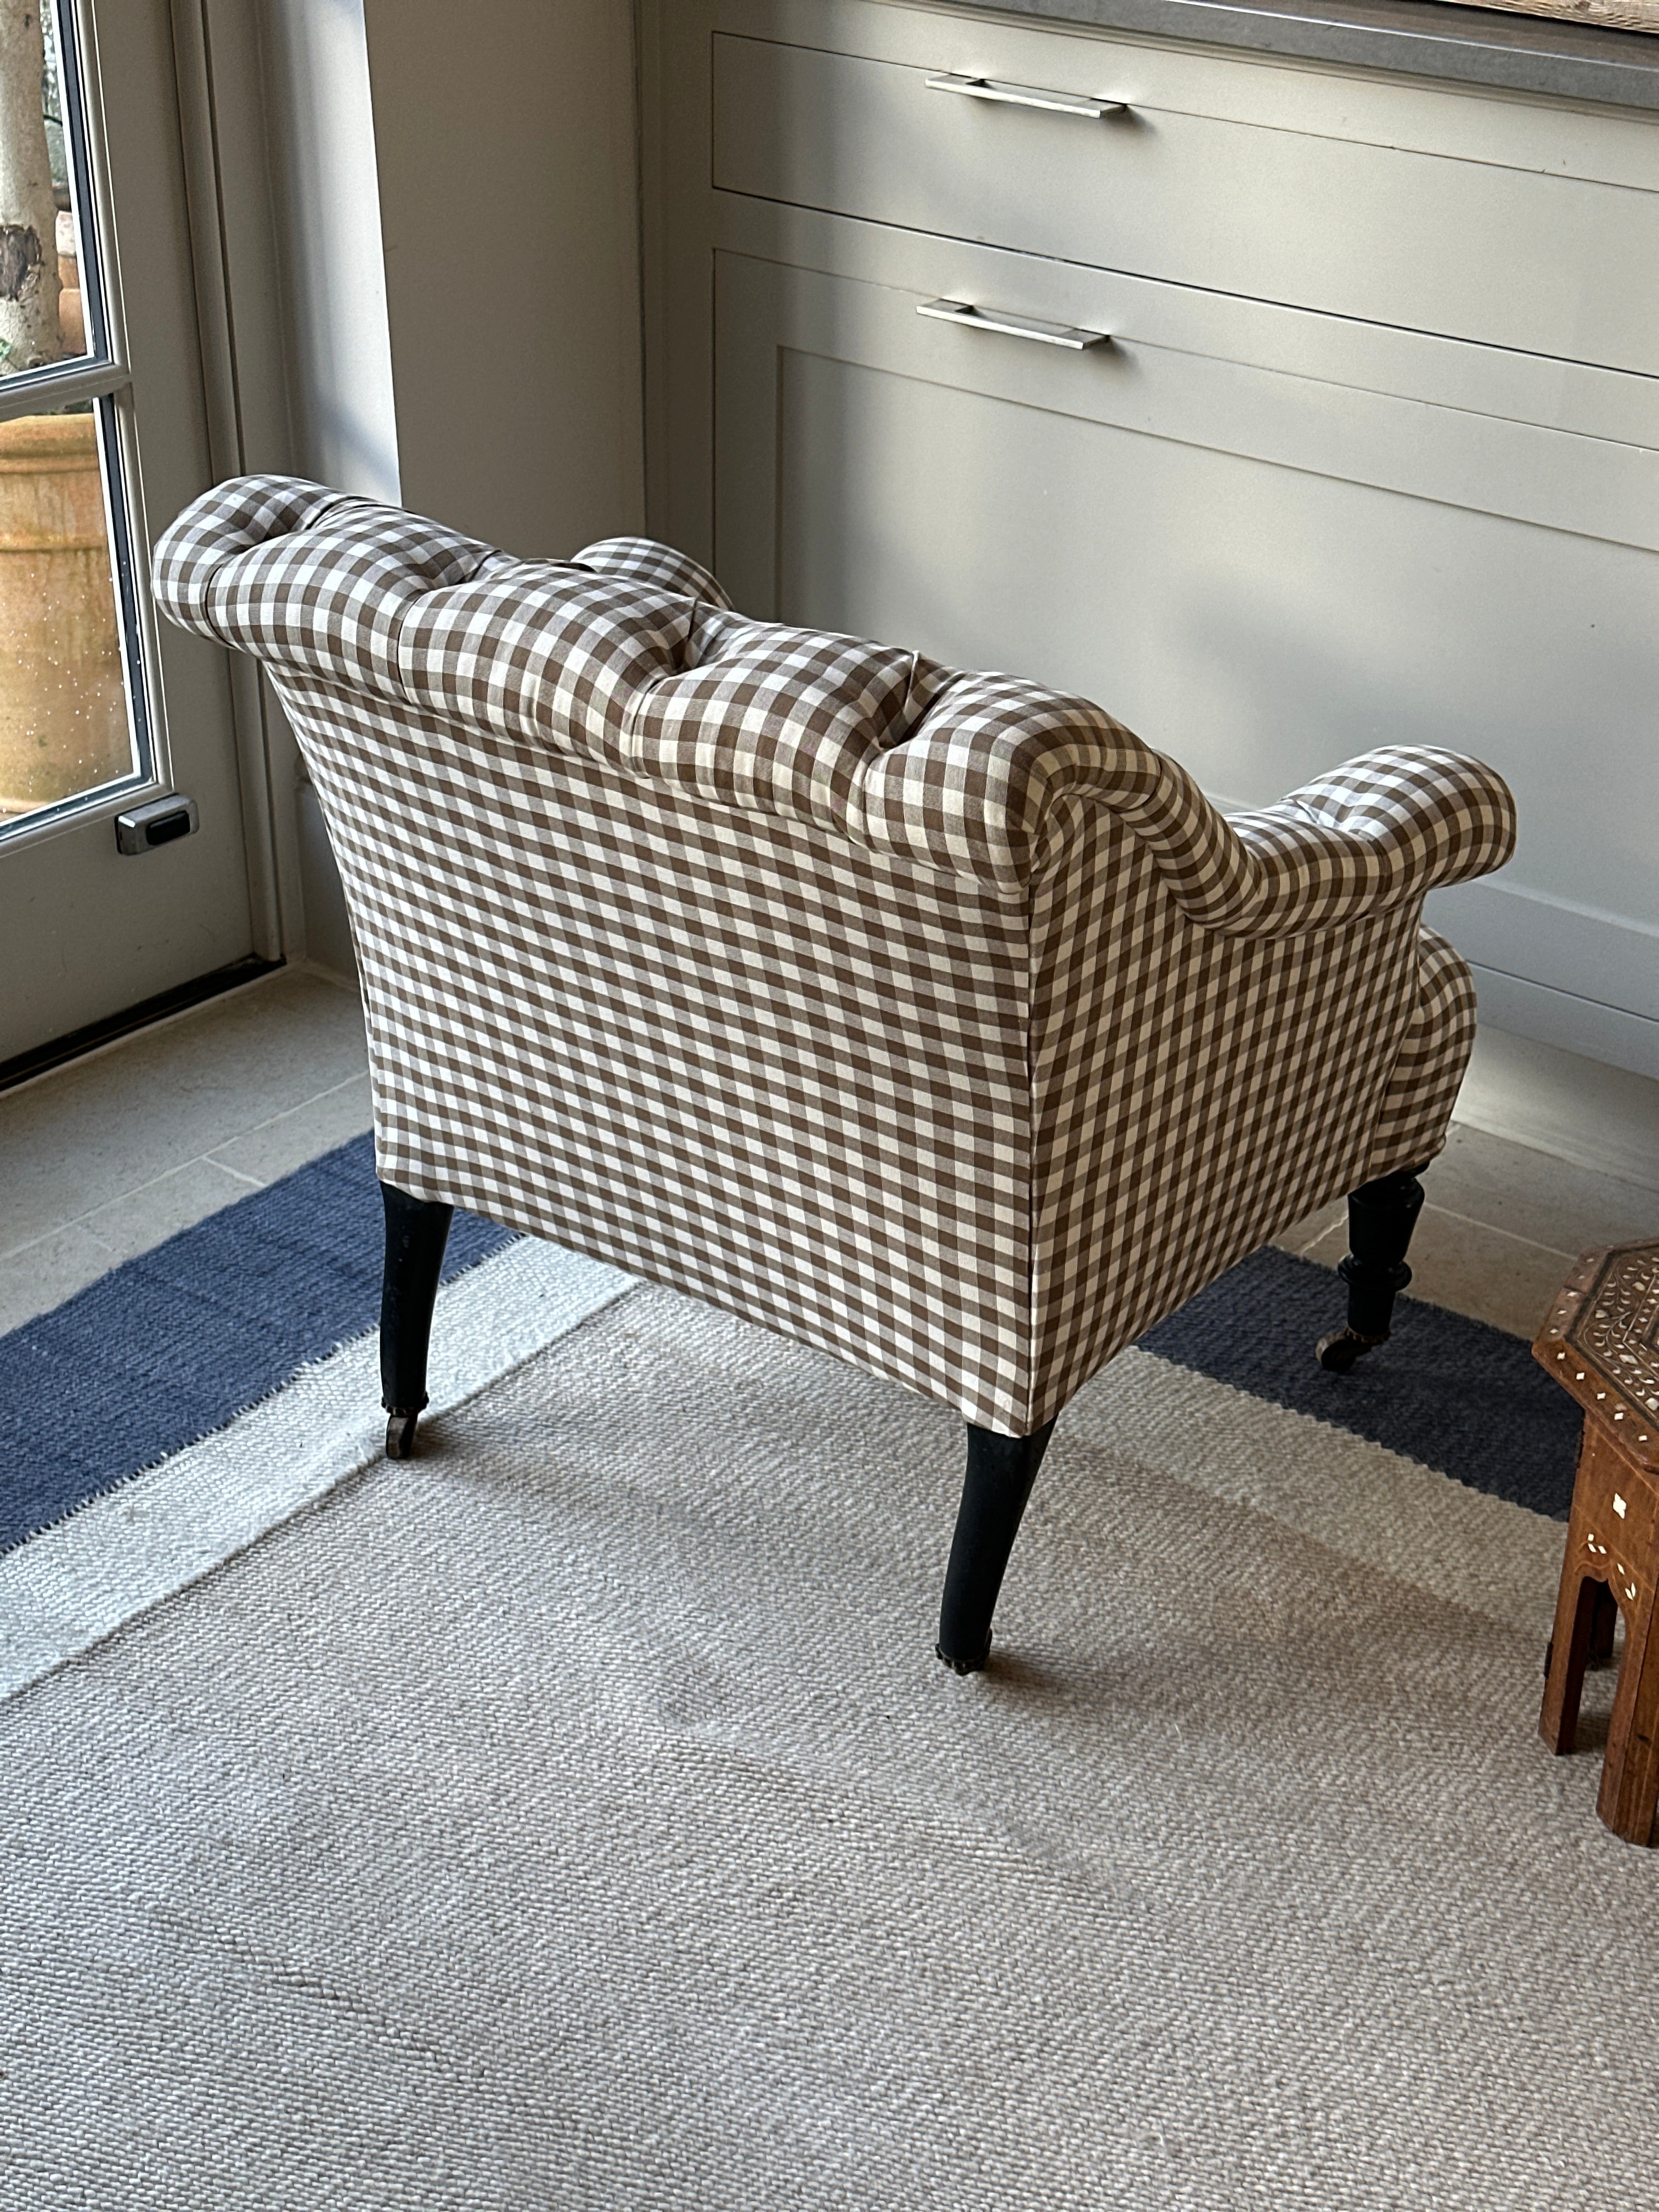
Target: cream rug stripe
[{"x": 126, "y": 1551}]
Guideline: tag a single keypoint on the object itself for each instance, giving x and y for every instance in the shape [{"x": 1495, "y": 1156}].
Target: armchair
[{"x": 928, "y": 1017}]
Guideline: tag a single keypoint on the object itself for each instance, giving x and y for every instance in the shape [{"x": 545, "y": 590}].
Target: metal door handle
[
  {"x": 141, "y": 829},
  {"x": 1014, "y": 326},
  {"x": 1026, "y": 95}
]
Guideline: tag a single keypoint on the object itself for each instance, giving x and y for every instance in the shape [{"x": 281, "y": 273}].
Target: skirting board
[
  {"x": 1587, "y": 1027},
  {"x": 1562, "y": 945},
  {"x": 1568, "y": 1056}
]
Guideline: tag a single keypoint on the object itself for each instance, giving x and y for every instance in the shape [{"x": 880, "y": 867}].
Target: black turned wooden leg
[
  {"x": 416, "y": 1230},
  {"x": 1382, "y": 1216},
  {"x": 1000, "y": 1473}
]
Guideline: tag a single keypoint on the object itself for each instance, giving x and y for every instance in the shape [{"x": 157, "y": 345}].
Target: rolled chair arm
[
  {"x": 1378, "y": 832},
  {"x": 990, "y": 781}
]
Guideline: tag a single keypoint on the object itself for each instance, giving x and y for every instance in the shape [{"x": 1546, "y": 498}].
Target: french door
[{"x": 123, "y": 870}]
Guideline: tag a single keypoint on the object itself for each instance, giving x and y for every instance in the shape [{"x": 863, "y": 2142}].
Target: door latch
[{"x": 157, "y": 823}]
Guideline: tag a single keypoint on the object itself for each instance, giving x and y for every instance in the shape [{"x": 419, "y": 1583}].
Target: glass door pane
[
  {"x": 66, "y": 726},
  {"x": 72, "y": 720},
  {"x": 43, "y": 302}
]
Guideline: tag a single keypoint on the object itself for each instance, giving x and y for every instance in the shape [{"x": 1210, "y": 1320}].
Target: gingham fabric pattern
[{"x": 929, "y": 1017}]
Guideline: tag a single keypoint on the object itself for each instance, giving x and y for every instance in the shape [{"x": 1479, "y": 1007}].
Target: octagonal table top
[{"x": 1601, "y": 1342}]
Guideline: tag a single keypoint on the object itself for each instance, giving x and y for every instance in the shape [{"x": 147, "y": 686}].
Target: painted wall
[
  {"x": 504, "y": 141},
  {"x": 320, "y": 146},
  {"x": 298, "y": 208}
]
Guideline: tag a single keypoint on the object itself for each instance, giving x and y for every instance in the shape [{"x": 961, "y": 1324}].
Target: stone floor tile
[
  {"x": 86, "y": 1134},
  {"x": 288, "y": 1141},
  {"x": 1528, "y": 1193},
  {"x": 140, "y": 1220},
  {"x": 1303, "y": 1235},
  {"x": 44, "y": 1274}
]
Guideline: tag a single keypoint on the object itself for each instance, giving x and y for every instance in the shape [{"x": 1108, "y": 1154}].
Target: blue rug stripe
[
  {"x": 170, "y": 1346},
  {"x": 1457, "y": 1395}
]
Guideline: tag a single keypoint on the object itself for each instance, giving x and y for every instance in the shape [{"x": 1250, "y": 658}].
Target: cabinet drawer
[
  {"x": 1259, "y": 571},
  {"x": 1472, "y": 249}
]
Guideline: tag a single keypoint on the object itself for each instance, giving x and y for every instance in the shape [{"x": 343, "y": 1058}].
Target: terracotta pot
[
  {"x": 71, "y": 307},
  {"x": 63, "y": 699},
  {"x": 72, "y": 320}
]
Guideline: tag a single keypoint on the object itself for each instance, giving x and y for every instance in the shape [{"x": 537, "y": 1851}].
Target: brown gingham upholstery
[{"x": 929, "y": 1017}]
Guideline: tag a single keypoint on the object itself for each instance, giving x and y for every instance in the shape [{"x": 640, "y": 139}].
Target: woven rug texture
[{"x": 576, "y": 1817}]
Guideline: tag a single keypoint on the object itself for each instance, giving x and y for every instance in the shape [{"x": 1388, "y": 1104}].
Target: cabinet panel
[
  {"x": 1260, "y": 574},
  {"x": 1467, "y": 248}
]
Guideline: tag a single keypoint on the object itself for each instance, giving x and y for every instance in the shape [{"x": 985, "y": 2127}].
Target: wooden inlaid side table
[{"x": 1602, "y": 1343}]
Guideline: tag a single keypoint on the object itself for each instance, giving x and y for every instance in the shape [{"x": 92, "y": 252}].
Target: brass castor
[{"x": 1338, "y": 1352}]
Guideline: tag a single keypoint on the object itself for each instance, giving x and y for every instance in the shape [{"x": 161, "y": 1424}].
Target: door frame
[
  {"x": 237, "y": 268},
  {"x": 214, "y": 320}
]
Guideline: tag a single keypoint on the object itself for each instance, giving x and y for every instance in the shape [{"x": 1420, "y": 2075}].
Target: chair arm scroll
[{"x": 1379, "y": 832}]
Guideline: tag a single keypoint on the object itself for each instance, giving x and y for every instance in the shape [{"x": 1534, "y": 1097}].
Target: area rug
[{"x": 577, "y": 1817}]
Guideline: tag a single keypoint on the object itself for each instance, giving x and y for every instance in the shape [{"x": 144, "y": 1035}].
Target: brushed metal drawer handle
[
  {"x": 1014, "y": 326},
  {"x": 1026, "y": 95}
]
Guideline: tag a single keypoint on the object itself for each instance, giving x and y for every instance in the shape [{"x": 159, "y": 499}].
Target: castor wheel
[
  {"x": 962, "y": 1666},
  {"x": 400, "y": 1432},
  {"x": 1337, "y": 1353}
]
